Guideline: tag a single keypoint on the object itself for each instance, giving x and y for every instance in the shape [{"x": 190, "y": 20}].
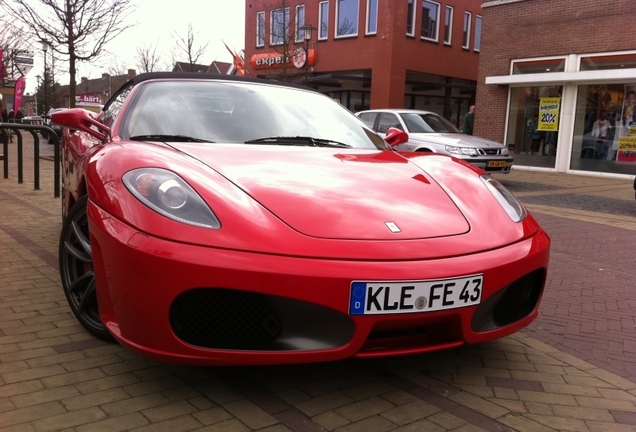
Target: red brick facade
[
  {"x": 386, "y": 56},
  {"x": 541, "y": 28}
]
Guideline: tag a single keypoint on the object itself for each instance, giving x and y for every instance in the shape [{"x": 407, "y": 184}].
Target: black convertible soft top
[{"x": 195, "y": 75}]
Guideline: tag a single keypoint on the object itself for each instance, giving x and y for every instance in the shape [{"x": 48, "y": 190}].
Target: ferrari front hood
[{"x": 338, "y": 194}]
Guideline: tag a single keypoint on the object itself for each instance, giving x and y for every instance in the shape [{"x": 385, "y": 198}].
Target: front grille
[
  {"x": 510, "y": 304},
  {"x": 489, "y": 152},
  {"x": 519, "y": 299},
  {"x": 225, "y": 319}
]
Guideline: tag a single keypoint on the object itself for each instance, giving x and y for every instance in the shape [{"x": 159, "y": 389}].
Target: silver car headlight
[
  {"x": 505, "y": 152},
  {"x": 461, "y": 151},
  {"x": 169, "y": 195},
  {"x": 508, "y": 202}
]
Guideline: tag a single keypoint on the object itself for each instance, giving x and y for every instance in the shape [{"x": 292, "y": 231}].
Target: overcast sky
[{"x": 157, "y": 21}]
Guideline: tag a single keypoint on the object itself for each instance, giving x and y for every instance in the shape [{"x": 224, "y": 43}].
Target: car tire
[{"x": 76, "y": 270}]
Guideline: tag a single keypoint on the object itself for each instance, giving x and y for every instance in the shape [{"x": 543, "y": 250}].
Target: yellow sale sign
[{"x": 549, "y": 114}]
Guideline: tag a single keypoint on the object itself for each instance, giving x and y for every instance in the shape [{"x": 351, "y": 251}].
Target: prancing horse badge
[{"x": 393, "y": 227}]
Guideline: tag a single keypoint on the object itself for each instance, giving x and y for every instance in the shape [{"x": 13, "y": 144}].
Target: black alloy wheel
[{"x": 76, "y": 270}]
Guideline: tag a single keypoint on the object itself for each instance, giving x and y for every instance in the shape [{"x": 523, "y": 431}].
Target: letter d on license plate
[{"x": 398, "y": 297}]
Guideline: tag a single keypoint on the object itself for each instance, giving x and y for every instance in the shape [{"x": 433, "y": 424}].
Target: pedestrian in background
[{"x": 469, "y": 121}]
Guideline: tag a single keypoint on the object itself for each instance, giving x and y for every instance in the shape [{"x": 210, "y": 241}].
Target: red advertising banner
[{"x": 17, "y": 94}]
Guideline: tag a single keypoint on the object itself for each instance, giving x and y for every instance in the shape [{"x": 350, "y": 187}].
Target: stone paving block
[
  {"x": 168, "y": 411},
  {"x": 323, "y": 403},
  {"x": 94, "y": 399},
  {"x": 31, "y": 413},
  {"x": 428, "y": 426},
  {"x": 583, "y": 413},
  {"x": 212, "y": 415},
  {"x": 134, "y": 404},
  {"x": 106, "y": 382},
  {"x": 477, "y": 390},
  {"x": 570, "y": 389},
  {"x": 548, "y": 398},
  {"x": 179, "y": 424},
  {"x": 32, "y": 373},
  {"x": 155, "y": 385},
  {"x": 410, "y": 412},
  {"x": 513, "y": 406},
  {"x": 70, "y": 420},
  {"x": 523, "y": 424},
  {"x": 72, "y": 378},
  {"x": 330, "y": 420},
  {"x": 561, "y": 423},
  {"x": 371, "y": 424},
  {"x": 398, "y": 397},
  {"x": 115, "y": 424},
  {"x": 250, "y": 414},
  {"x": 362, "y": 391},
  {"x": 54, "y": 358},
  {"x": 608, "y": 427},
  {"x": 181, "y": 393},
  {"x": 479, "y": 404},
  {"x": 43, "y": 396},
  {"x": 364, "y": 408},
  {"x": 226, "y": 426}
]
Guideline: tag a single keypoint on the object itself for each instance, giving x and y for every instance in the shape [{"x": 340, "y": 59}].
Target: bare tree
[
  {"x": 12, "y": 43},
  {"x": 188, "y": 48},
  {"x": 75, "y": 29},
  {"x": 147, "y": 59},
  {"x": 283, "y": 28}
]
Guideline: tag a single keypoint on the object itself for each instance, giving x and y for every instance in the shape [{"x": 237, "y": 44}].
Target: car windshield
[
  {"x": 427, "y": 123},
  {"x": 220, "y": 111}
]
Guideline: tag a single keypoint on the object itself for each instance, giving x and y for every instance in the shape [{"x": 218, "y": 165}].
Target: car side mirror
[
  {"x": 395, "y": 136},
  {"x": 80, "y": 119}
]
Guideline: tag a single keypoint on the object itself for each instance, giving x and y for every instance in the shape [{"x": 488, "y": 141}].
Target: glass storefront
[
  {"x": 533, "y": 125},
  {"x": 573, "y": 113},
  {"x": 604, "y": 137}
]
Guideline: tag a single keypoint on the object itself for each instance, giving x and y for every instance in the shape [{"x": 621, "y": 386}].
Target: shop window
[
  {"x": 300, "y": 21},
  {"x": 538, "y": 66},
  {"x": 533, "y": 125},
  {"x": 323, "y": 12},
  {"x": 621, "y": 61},
  {"x": 467, "y": 19},
  {"x": 279, "y": 26},
  {"x": 347, "y": 18},
  {"x": 430, "y": 20},
  {"x": 410, "y": 18},
  {"x": 478, "y": 22},
  {"x": 604, "y": 138},
  {"x": 448, "y": 25},
  {"x": 260, "y": 29},
  {"x": 372, "y": 17}
]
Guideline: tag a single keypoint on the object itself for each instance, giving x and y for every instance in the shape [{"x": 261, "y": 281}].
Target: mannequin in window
[
  {"x": 534, "y": 134},
  {"x": 601, "y": 131}
]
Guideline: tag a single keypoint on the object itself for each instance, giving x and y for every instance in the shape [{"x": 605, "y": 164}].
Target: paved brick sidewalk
[{"x": 571, "y": 370}]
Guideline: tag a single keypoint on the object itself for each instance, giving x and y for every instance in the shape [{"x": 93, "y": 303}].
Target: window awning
[{"x": 606, "y": 76}]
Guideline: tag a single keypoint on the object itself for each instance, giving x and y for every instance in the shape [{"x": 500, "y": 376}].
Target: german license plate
[
  {"x": 496, "y": 164},
  {"x": 400, "y": 297}
]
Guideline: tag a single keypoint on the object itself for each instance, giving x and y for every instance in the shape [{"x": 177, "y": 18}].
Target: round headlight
[{"x": 172, "y": 195}]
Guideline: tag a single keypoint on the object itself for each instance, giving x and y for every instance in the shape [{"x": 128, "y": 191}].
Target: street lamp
[
  {"x": 45, "y": 46},
  {"x": 38, "y": 77},
  {"x": 307, "y": 28}
]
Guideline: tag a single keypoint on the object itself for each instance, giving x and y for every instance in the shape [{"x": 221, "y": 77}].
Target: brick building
[
  {"x": 370, "y": 53},
  {"x": 555, "y": 83}
]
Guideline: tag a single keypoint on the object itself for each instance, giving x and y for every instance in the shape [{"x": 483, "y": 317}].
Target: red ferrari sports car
[{"x": 216, "y": 220}]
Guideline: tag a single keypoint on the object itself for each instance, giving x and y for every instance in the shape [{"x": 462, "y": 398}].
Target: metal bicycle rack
[{"x": 16, "y": 128}]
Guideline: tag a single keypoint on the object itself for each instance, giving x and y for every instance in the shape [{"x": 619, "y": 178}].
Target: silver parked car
[{"x": 430, "y": 132}]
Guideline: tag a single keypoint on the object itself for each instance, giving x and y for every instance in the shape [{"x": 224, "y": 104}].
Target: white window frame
[
  {"x": 323, "y": 31},
  {"x": 272, "y": 22},
  {"x": 260, "y": 29},
  {"x": 439, "y": 9},
  {"x": 450, "y": 12},
  {"x": 412, "y": 32},
  {"x": 335, "y": 30},
  {"x": 369, "y": 12},
  {"x": 466, "y": 38},
  {"x": 300, "y": 34},
  {"x": 478, "y": 19}
]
